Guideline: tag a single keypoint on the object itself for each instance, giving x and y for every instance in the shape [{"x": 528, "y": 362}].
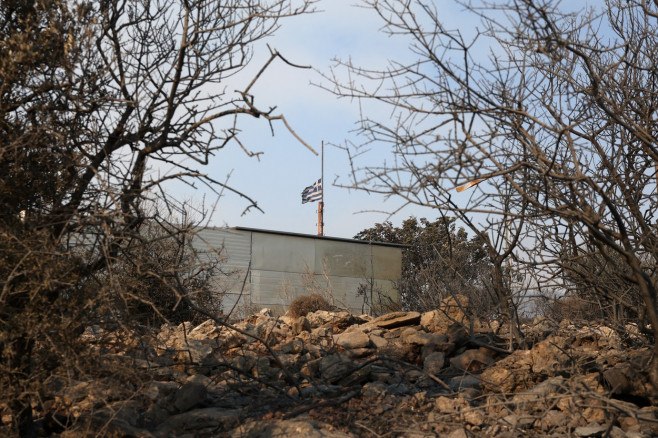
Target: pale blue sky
[{"x": 286, "y": 167}]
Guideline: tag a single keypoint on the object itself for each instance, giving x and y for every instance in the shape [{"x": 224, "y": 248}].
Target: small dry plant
[{"x": 302, "y": 306}]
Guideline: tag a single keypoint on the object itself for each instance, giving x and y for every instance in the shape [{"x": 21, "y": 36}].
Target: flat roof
[{"x": 312, "y": 236}]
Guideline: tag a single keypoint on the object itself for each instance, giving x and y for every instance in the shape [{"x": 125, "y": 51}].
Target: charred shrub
[{"x": 301, "y": 306}]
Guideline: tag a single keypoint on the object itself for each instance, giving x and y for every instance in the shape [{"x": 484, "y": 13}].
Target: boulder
[
  {"x": 550, "y": 358},
  {"x": 300, "y": 325},
  {"x": 352, "y": 340},
  {"x": 294, "y": 346},
  {"x": 334, "y": 367},
  {"x": 591, "y": 430},
  {"x": 451, "y": 310},
  {"x": 463, "y": 383},
  {"x": 190, "y": 395},
  {"x": 338, "y": 320},
  {"x": 426, "y": 338},
  {"x": 197, "y": 352},
  {"x": 472, "y": 360},
  {"x": 206, "y": 330},
  {"x": 378, "y": 341},
  {"x": 195, "y": 421},
  {"x": 510, "y": 374},
  {"x": 434, "y": 362},
  {"x": 396, "y": 319}
]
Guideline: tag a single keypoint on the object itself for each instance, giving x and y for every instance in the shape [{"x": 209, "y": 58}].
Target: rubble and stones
[{"x": 333, "y": 374}]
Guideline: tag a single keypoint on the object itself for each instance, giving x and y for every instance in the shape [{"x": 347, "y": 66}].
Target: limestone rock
[
  {"x": 334, "y": 367},
  {"x": 396, "y": 319},
  {"x": 434, "y": 362},
  {"x": 427, "y": 338},
  {"x": 558, "y": 387},
  {"x": 300, "y": 325},
  {"x": 197, "y": 352},
  {"x": 190, "y": 395},
  {"x": 509, "y": 374},
  {"x": 287, "y": 428},
  {"x": 450, "y": 311},
  {"x": 458, "y": 433},
  {"x": 206, "y": 330},
  {"x": 457, "y": 334},
  {"x": 474, "y": 417},
  {"x": 463, "y": 383},
  {"x": 593, "y": 430},
  {"x": 352, "y": 340},
  {"x": 378, "y": 341},
  {"x": 400, "y": 350},
  {"x": 339, "y": 320},
  {"x": 451, "y": 405},
  {"x": 197, "y": 420},
  {"x": 540, "y": 392},
  {"x": 293, "y": 346},
  {"x": 472, "y": 360},
  {"x": 549, "y": 357}
]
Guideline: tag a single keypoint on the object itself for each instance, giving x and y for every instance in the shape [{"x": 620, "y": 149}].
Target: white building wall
[{"x": 277, "y": 267}]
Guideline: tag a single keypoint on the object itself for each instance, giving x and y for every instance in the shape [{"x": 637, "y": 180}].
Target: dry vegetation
[
  {"x": 109, "y": 318},
  {"x": 305, "y": 304}
]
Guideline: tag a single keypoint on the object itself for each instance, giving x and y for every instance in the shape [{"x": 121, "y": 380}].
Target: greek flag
[{"x": 312, "y": 193}]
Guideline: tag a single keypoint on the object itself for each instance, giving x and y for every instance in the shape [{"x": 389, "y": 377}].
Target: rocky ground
[{"x": 333, "y": 374}]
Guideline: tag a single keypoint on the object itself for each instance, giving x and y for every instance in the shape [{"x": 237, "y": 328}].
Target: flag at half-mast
[{"x": 312, "y": 193}]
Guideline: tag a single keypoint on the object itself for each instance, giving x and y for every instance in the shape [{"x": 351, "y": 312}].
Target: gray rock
[
  {"x": 294, "y": 346},
  {"x": 352, "y": 340},
  {"x": 286, "y": 428},
  {"x": 334, "y": 367},
  {"x": 206, "y": 330},
  {"x": 461, "y": 383},
  {"x": 427, "y": 338},
  {"x": 591, "y": 430},
  {"x": 337, "y": 319},
  {"x": 472, "y": 360},
  {"x": 457, "y": 433},
  {"x": 434, "y": 362},
  {"x": 378, "y": 341},
  {"x": 190, "y": 395},
  {"x": 198, "y": 419},
  {"x": 198, "y": 352},
  {"x": 519, "y": 421},
  {"x": 396, "y": 319},
  {"x": 617, "y": 432},
  {"x": 451, "y": 405},
  {"x": 539, "y": 392},
  {"x": 450, "y": 311},
  {"x": 159, "y": 390},
  {"x": 300, "y": 325},
  {"x": 374, "y": 389},
  {"x": 398, "y": 389}
]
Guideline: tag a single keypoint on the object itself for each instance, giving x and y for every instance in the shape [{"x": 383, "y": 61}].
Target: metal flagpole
[{"x": 321, "y": 204}]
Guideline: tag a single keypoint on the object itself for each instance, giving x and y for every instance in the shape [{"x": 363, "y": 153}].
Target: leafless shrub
[
  {"x": 160, "y": 273},
  {"x": 102, "y": 103},
  {"x": 548, "y": 113},
  {"x": 375, "y": 301},
  {"x": 439, "y": 261},
  {"x": 571, "y": 308},
  {"x": 301, "y": 306}
]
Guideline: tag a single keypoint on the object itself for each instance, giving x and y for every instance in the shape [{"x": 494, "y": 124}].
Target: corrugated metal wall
[
  {"x": 234, "y": 246},
  {"x": 279, "y": 267}
]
